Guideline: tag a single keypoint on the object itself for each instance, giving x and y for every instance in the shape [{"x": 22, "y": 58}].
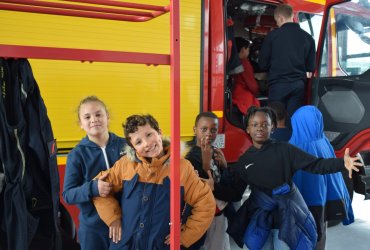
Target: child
[
  {"x": 275, "y": 215},
  {"x": 99, "y": 150},
  {"x": 326, "y": 195},
  {"x": 143, "y": 176},
  {"x": 205, "y": 157},
  {"x": 245, "y": 88},
  {"x": 281, "y": 132}
]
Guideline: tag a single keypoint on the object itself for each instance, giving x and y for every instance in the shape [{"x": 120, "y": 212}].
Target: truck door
[{"x": 341, "y": 86}]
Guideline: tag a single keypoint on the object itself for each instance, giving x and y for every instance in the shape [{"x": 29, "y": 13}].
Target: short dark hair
[
  {"x": 280, "y": 111},
  {"x": 240, "y": 43},
  {"x": 134, "y": 121},
  {"x": 205, "y": 114},
  {"x": 267, "y": 110}
]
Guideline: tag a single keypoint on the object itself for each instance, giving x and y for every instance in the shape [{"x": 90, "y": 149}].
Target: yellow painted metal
[
  {"x": 333, "y": 43},
  {"x": 219, "y": 113},
  {"x": 125, "y": 88},
  {"x": 62, "y": 160},
  {"x": 322, "y": 2}
]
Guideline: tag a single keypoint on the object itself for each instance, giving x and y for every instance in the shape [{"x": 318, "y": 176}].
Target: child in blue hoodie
[
  {"x": 98, "y": 151},
  {"x": 325, "y": 195}
]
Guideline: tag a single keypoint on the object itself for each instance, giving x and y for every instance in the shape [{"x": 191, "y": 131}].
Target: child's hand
[
  {"x": 115, "y": 231},
  {"x": 167, "y": 240},
  {"x": 104, "y": 187},
  {"x": 206, "y": 149},
  {"x": 209, "y": 181},
  {"x": 220, "y": 158},
  {"x": 350, "y": 162}
]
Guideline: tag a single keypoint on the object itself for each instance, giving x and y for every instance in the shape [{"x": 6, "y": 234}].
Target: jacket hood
[
  {"x": 308, "y": 132},
  {"x": 86, "y": 141}
]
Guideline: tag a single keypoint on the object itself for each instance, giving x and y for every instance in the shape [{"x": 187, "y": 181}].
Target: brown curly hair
[{"x": 134, "y": 121}]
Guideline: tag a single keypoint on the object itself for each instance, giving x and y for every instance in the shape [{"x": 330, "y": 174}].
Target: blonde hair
[
  {"x": 89, "y": 99},
  {"x": 284, "y": 10}
]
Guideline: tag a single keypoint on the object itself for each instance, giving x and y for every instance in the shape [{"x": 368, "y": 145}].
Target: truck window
[
  {"x": 354, "y": 46},
  {"x": 348, "y": 34},
  {"x": 311, "y": 23}
]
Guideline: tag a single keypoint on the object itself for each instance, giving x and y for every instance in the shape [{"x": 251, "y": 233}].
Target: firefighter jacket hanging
[{"x": 29, "y": 194}]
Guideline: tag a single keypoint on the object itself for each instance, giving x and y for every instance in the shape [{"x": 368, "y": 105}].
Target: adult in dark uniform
[{"x": 288, "y": 54}]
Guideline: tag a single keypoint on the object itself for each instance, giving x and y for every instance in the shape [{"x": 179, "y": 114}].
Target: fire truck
[{"x": 339, "y": 85}]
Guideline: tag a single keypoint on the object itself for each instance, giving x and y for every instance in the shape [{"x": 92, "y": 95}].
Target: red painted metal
[
  {"x": 72, "y": 209},
  {"x": 359, "y": 142},
  {"x": 79, "y": 7},
  {"x": 217, "y": 59},
  {"x": 305, "y": 6},
  {"x": 15, "y": 51},
  {"x": 63, "y": 12},
  {"x": 123, "y": 4},
  {"x": 236, "y": 143},
  {"x": 236, "y": 140},
  {"x": 175, "y": 126},
  {"x": 87, "y": 11}
]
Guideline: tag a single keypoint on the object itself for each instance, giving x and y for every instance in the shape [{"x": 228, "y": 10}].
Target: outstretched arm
[
  {"x": 351, "y": 162},
  {"x": 302, "y": 160}
]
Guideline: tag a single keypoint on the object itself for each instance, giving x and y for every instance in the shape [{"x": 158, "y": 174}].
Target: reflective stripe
[
  {"x": 23, "y": 91},
  {"x": 4, "y": 174},
  {"x": 21, "y": 152}
]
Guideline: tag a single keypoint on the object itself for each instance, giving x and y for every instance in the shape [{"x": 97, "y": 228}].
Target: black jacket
[
  {"x": 30, "y": 197},
  {"x": 271, "y": 166},
  {"x": 287, "y": 53}
]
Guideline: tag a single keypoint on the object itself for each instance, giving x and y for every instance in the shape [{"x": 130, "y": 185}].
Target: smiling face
[
  {"x": 93, "y": 118},
  {"x": 259, "y": 128},
  {"x": 147, "y": 142},
  {"x": 207, "y": 128}
]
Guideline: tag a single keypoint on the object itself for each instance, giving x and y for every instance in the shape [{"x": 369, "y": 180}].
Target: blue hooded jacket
[
  {"x": 329, "y": 191},
  {"x": 85, "y": 162}
]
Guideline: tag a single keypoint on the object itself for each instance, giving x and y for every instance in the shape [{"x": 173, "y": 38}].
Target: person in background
[
  {"x": 281, "y": 132},
  {"x": 205, "y": 157},
  {"x": 246, "y": 89},
  {"x": 98, "y": 151},
  {"x": 143, "y": 220},
  {"x": 326, "y": 195},
  {"x": 288, "y": 54},
  {"x": 275, "y": 216}
]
